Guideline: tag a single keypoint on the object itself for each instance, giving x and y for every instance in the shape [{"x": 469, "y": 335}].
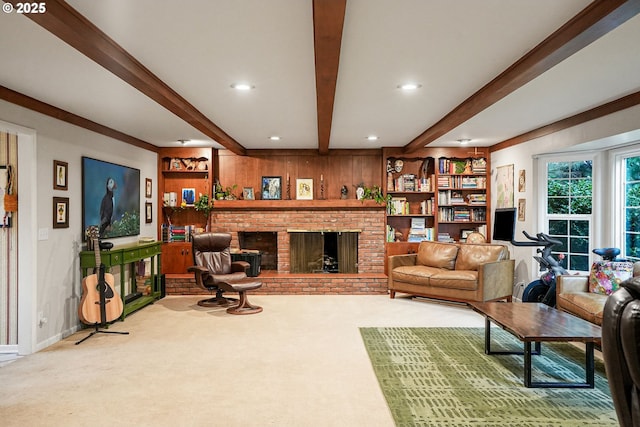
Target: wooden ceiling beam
[
  {"x": 73, "y": 28},
  {"x": 596, "y": 20},
  {"x": 57, "y": 113},
  {"x": 328, "y": 22},
  {"x": 619, "y": 104}
]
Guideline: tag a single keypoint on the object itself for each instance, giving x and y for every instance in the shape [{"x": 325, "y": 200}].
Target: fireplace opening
[
  {"x": 323, "y": 252},
  {"x": 264, "y": 241}
]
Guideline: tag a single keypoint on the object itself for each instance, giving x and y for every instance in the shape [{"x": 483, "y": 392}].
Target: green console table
[{"x": 126, "y": 256}]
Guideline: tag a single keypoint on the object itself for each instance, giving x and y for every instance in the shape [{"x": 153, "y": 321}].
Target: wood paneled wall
[{"x": 338, "y": 168}]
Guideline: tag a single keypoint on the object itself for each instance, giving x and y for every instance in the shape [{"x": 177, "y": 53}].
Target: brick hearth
[{"x": 367, "y": 218}]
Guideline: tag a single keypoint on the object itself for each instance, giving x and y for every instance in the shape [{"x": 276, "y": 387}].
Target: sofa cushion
[
  {"x": 436, "y": 254},
  {"x": 455, "y": 279},
  {"x": 470, "y": 256},
  {"x": 586, "y": 305},
  {"x": 605, "y": 276},
  {"x": 414, "y": 274}
]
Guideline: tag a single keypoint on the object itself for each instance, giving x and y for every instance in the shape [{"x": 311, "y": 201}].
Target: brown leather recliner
[
  {"x": 621, "y": 350},
  {"x": 215, "y": 271}
]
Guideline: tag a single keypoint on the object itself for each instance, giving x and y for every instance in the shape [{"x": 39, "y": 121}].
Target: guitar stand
[
  {"x": 103, "y": 317},
  {"x": 99, "y": 331}
]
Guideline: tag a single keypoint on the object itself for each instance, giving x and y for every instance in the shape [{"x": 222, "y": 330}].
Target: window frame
[
  {"x": 618, "y": 159},
  {"x": 544, "y": 217}
]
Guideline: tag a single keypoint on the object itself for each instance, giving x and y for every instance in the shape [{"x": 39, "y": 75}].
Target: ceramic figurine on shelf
[{"x": 344, "y": 192}]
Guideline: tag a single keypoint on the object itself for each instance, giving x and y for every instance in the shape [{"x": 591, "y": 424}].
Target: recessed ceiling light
[
  {"x": 242, "y": 86},
  {"x": 464, "y": 141},
  {"x": 409, "y": 86},
  {"x": 372, "y": 138},
  {"x": 274, "y": 138}
]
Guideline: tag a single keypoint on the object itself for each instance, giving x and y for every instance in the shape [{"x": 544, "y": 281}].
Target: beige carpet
[{"x": 301, "y": 362}]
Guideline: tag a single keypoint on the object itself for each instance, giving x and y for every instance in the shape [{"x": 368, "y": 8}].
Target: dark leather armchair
[
  {"x": 215, "y": 272},
  {"x": 621, "y": 350}
]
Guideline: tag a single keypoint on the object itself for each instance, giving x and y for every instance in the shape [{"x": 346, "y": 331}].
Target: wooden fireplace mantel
[{"x": 330, "y": 204}]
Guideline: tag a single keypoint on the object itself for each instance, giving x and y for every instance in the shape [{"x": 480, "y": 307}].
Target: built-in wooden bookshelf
[{"x": 435, "y": 194}]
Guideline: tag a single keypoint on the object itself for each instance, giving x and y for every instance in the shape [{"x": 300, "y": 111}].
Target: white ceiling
[{"x": 200, "y": 47}]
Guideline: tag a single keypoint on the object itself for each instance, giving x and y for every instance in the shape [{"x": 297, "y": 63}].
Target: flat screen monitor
[{"x": 504, "y": 224}]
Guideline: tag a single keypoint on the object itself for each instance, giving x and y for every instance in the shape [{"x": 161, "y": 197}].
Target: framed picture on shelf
[
  {"x": 304, "y": 189},
  {"x": 189, "y": 196},
  {"x": 247, "y": 193},
  {"x": 60, "y": 212},
  {"x": 60, "y": 175},
  {"x": 148, "y": 212},
  {"x": 147, "y": 188},
  {"x": 271, "y": 188}
]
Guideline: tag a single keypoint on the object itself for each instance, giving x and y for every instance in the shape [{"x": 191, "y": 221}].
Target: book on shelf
[
  {"x": 445, "y": 237},
  {"x": 479, "y": 166},
  {"x": 453, "y": 166},
  {"x": 456, "y": 198},
  {"x": 426, "y": 207},
  {"x": 176, "y": 233},
  {"x": 420, "y": 235},
  {"x": 391, "y": 234},
  {"x": 473, "y": 182},
  {"x": 398, "y": 206},
  {"x": 477, "y": 199},
  {"x": 418, "y": 224},
  {"x": 408, "y": 183}
]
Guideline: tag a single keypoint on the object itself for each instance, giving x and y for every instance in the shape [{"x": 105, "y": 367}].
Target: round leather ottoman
[{"x": 242, "y": 286}]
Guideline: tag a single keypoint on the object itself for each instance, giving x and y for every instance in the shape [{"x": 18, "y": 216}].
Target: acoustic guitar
[{"x": 100, "y": 302}]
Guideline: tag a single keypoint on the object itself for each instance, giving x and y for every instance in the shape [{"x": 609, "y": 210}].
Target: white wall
[
  {"x": 58, "y": 279},
  {"x": 603, "y": 133}
]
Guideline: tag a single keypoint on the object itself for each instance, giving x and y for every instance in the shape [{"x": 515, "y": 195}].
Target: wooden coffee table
[{"x": 536, "y": 323}]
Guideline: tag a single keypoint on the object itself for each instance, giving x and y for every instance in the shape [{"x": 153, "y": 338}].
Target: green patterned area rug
[{"x": 441, "y": 377}]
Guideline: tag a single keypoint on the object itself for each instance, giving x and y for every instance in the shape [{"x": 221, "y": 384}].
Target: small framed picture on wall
[
  {"x": 60, "y": 212},
  {"x": 60, "y": 175},
  {"x": 148, "y": 212},
  {"x": 147, "y": 187}
]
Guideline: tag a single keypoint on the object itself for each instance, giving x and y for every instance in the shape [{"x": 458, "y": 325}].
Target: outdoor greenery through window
[
  {"x": 569, "y": 211},
  {"x": 631, "y": 248}
]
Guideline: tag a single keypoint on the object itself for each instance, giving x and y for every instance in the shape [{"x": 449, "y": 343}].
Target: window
[
  {"x": 569, "y": 210},
  {"x": 631, "y": 203}
]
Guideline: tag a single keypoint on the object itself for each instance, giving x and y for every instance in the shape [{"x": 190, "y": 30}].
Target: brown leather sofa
[
  {"x": 573, "y": 296},
  {"x": 621, "y": 350},
  {"x": 453, "y": 271}
]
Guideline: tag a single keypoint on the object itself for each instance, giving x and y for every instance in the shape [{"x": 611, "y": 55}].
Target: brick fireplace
[{"x": 285, "y": 216}]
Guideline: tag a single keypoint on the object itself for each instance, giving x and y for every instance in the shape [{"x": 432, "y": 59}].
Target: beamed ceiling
[{"x": 325, "y": 74}]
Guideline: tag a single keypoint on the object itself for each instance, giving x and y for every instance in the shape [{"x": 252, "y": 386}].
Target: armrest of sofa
[
  {"x": 399, "y": 260},
  {"x": 571, "y": 284},
  {"x": 496, "y": 279}
]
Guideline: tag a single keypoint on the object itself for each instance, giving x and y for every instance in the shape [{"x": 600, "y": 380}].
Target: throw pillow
[{"x": 606, "y": 276}]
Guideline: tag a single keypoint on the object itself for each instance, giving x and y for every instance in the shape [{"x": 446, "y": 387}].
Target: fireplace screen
[{"x": 323, "y": 252}]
